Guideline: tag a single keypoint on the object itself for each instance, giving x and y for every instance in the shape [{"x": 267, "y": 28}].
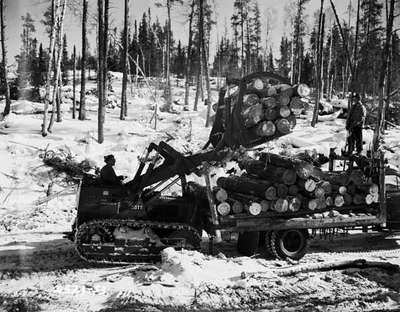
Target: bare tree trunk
[
  {"x": 48, "y": 76},
  {"x": 124, "y": 106},
  {"x": 329, "y": 69},
  {"x": 100, "y": 71},
  {"x": 242, "y": 37},
  {"x": 168, "y": 60},
  {"x": 57, "y": 75},
  {"x": 318, "y": 72},
  {"x": 7, "y": 108},
  {"x": 204, "y": 60},
  {"x": 355, "y": 50},
  {"x": 188, "y": 60},
  {"x": 385, "y": 56},
  {"x": 292, "y": 62},
  {"x": 82, "y": 105},
  {"x": 59, "y": 99},
  {"x": 198, "y": 83},
  {"x": 74, "y": 84}
]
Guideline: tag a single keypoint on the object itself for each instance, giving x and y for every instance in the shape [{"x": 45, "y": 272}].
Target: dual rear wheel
[{"x": 282, "y": 244}]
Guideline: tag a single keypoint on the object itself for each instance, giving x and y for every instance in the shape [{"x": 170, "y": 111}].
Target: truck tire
[
  {"x": 247, "y": 243},
  {"x": 291, "y": 243}
]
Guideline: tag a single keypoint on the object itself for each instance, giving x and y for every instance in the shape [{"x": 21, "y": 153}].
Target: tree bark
[
  {"x": 57, "y": 75},
  {"x": 48, "y": 76},
  {"x": 100, "y": 71},
  {"x": 317, "y": 71},
  {"x": 82, "y": 102},
  {"x": 384, "y": 57},
  {"x": 204, "y": 61},
  {"x": 168, "y": 59},
  {"x": 124, "y": 105},
  {"x": 74, "y": 84},
  {"x": 7, "y": 108},
  {"x": 188, "y": 56}
]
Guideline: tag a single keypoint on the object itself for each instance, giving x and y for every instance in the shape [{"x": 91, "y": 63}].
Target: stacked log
[
  {"x": 283, "y": 184},
  {"x": 271, "y": 112}
]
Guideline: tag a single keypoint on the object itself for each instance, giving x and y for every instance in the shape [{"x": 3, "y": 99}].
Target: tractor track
[{"x": 116, "y": 257}]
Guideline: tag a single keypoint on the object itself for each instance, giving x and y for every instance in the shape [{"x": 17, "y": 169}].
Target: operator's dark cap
[{"x": 108, "y": 157}]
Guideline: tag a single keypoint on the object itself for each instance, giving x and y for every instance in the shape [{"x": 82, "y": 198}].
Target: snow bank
[{"x": 194, "y": 268}]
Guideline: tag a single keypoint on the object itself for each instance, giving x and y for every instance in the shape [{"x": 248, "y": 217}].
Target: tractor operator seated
[{"x": 107, "y": 173}]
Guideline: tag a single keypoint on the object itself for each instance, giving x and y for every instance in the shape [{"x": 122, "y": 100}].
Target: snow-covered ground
[{"x": 40, "y": 271}]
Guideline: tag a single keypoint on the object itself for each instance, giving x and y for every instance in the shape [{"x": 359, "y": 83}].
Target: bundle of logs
[
  {"x": 282, "y": 184},
  {"x": 274, "y": 114}
]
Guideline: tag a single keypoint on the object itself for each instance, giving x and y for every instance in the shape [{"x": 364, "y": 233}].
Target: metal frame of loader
[{"x": 301, "y": 221}]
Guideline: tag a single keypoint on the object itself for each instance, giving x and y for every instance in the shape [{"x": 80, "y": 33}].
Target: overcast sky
[{"x": 223, "y": 10}]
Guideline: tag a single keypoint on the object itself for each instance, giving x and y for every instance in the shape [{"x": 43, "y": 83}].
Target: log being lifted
[
  {"x": 284, "y": 112},
  {"x": 293, "y": 190},
  {"x": 283, "y": 126},
  {"x": 250, "y": 100},
  {"x": 252, "y": 115},
  {"x": 282, "y": 190},
  {"x": 296, "y": 105},
  {"x": 268, "y": 102},
  {"x": 244, "y": 185},
  {"x": 266, "y": 129},
  {"x": 271, "y": 114}
]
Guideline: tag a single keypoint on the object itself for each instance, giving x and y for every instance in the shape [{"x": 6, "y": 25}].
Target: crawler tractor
[{"x": 134, "y": 222}]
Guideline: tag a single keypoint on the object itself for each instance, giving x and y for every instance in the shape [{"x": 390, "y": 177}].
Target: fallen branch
[
  {"x": 46, "y": 199},
  {"x": 8, "y": 175},
  {"x": 339, "y": 265}
]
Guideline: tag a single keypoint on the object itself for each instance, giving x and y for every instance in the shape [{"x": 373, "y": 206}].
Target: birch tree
[{"x": 4, "y": 60}]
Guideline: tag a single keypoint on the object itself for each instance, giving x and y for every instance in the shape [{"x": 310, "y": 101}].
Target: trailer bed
[{"x": 307, "y": 222}]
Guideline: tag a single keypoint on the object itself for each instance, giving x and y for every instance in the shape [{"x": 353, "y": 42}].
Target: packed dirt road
[{"x": 42, "y": 272}]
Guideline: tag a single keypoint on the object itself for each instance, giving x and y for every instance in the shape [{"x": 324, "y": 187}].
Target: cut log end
[
  {"x": 224, "y": 209},
  {"x": 255, "y": 209},
  {"x": 281, "y": 205},
  {"x": 221, "y": 195},
  {"x": 237, "y": 207}
]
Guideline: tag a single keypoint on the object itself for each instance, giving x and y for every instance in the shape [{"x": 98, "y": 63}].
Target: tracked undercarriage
[{"x": 127, "y": 241}]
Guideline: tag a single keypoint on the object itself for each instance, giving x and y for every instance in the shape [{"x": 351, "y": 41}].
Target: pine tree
[
  {"x": 25, "y": 57},
  {"x": 125, "y": 41},
  {"x": 284, "y": 61},
  {"x": 370, "y": 46},
  {"x": 38, "y": 78},
  {"x": 82, "y": 107},
  {"x": 239, "y": 20},
  {"x": 256, "y": 57},
  {"x": 270, "y": 61}
]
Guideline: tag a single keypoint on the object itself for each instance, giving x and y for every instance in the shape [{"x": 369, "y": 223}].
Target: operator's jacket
[
  {"x": 108, "y": 176},
  {"x": 356, "y": 117}
]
